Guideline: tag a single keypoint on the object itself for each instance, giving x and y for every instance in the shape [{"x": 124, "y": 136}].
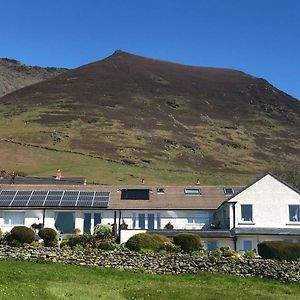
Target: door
[
  {"x": 150, "y": 221},
  {"x": 87, "y": 223}
]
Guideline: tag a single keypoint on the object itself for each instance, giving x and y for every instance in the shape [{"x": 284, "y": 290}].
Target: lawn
[{"x": 24, "y": 280}]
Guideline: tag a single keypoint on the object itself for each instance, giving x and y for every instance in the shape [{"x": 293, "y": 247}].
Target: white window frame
[{"x": 243, "y": 219}]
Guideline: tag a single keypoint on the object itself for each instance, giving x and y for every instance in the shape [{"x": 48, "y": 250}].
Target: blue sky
[{"x": 260, "y": 37}]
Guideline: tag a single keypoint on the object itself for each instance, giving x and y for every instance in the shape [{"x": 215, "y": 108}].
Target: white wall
[{"x": 270, "y": 199}]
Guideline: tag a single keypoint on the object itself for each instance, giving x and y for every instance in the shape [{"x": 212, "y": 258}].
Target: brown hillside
[
  {"x": 158, "y": 114},
  {"x": 15, "y": 75}
]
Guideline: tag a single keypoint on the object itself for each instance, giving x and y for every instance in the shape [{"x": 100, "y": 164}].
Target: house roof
[
  {"x": 43, "y": 180},
  {"x": 265, "y": 231},
  {"x": 172, "y": 198}
]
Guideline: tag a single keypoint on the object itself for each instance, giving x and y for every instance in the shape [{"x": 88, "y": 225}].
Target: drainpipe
[
  {"x": 234, "y": 237},
  {"x": 44, "y": 214}
]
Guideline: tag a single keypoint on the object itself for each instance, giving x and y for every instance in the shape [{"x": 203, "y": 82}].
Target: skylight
[
  {"x": 192, "y": 191},
  {"x": 160, "y": 190},
  {"x": 135, "y": 194},
  {"x": 228, "y": 191}
]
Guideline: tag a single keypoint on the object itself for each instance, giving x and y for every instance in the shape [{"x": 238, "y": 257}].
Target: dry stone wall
[{"x": 159, "y": 263}]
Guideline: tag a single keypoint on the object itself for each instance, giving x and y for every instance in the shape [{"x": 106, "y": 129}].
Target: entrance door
[{"x": 65, "y": 222}]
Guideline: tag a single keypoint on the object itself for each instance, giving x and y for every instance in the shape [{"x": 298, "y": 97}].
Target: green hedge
[
  {"x": 150, "y": 242},
  {"x": 279, "y": 250},
  {"x": 49, "y": 236},
  {"x": 188, "y": 241},
  {"x": 22, "y": 234}
]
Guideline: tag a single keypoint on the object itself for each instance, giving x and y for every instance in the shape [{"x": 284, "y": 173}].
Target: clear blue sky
[{"x": 260, "y": 37}]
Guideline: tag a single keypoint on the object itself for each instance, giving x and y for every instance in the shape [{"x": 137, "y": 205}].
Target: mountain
[
  {"x": 15, "y": 75},
  {"x": 158, "y": 115}
]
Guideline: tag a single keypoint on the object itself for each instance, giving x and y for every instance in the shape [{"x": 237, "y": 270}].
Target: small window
[
  {"x": 135, "y": 194},
  {"x": 247, "y": 245},
  {"x": 294, "y": 211},
  {"x": 246, "y": 212},
  {"x": 14, "y": 218},
  {"x": 191, "y": 191},
  {"x": 160, "y": 190},
  {"x": 97, "y": 218},
  {"x": 228, "y": 191},
  {"x": 212, "y": 245}
]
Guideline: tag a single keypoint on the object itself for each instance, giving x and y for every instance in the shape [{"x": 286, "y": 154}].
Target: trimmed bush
[
  {"x": 49, "y": 236},
  {"x": 7, "y": 239},
  {"x": 103, "y": 231},
  {"x": 279, "y": 250},
  {"x": 22, "y": 234},
  {"x": 142, "y": 242},
  {"x": 188, "y": 241}
]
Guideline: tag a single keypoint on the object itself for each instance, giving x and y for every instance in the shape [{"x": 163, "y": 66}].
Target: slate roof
[
  {"x": 265, "y": 231},
  {"x": 173, "y": 198}
]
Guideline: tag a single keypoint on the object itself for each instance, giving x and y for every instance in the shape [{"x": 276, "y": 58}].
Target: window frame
[
  {"x": 187, "y": 191},
  {"x": 297, "y": 213},
  {"x": 246, "y": 219},
  {"x": 7, "y": 213},
  {"x": 249, "y": 248}
]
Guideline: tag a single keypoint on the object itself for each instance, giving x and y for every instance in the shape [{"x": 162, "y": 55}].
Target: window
[
  {"x": 191, "y": 191},
  {"x": 247, "y": 245},
  {"x": 142, "y": 221},
  {"x": 14, "y": 218},
  {"x": 97, "y": 218},
  {"x": 87, "y": 223},
  {"x": 158, "y": 221},
  {"x": 135, "y": 194},
  {"x": 228, "y": 191},
  {"x": 160, "y": 190},
  {"x": 294, "y": 211},
  {"x": 246, "y": 211},
  {"x": 212, "y": 245},
  {"x": 197, "y": 219}
]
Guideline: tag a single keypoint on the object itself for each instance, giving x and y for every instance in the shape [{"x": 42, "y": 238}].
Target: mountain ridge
[{"x": 151, "y": 113}]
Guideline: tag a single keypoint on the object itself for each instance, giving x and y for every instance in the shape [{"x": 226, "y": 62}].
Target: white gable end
[{"x": 266, "y": 204}]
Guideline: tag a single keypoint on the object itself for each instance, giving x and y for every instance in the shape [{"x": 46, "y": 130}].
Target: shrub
[
  {"x": 107, "y": 245},
  {"x": 143, "y": 241},
  {"x": 22, "y": 234},
  {"x": 123, "y": 225},
  {"x": 169, "y": 226},
  {"x": 165, "y": 244},
  {"x": 78, "y": 240},
  {"x": 188, "y": 241},
  {"x": 279, "y": 250},
  {"x": 249, "y": 255},
  {"x": 103, "y": 231},
  {"x": 228, "y": 252},
  {"x": 49, "y": 236},
  {"x": 7, "y": 239}
]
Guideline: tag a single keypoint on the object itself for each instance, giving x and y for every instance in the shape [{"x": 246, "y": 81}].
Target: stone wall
[{"x": 158, "y": 263}]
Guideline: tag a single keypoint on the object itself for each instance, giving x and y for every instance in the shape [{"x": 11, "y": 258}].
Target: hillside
[
  {"x": 15, "y": 75},
  {"x": 155, "y": 115}
]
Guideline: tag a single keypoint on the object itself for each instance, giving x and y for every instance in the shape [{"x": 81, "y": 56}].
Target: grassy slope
[{"x": 23, "y": 280}]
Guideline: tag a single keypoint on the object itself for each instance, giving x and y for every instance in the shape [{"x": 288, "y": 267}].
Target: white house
[{"x": 239, "y": 217}]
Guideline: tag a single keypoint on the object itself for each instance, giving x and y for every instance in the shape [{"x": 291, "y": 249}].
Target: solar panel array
[{"x": 54, "y": 199}]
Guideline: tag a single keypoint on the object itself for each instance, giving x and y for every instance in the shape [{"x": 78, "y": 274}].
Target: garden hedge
[
  {"x": 49, "y": 236},
  {"x": 188, "y": 241},
  {"x": 22, "y": 234},
  {"x": 279, "y": 250}
]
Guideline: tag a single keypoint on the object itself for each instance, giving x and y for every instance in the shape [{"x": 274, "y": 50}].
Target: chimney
[
  {"x": 13, "y": 177},
  {"x": 58, "y": 174},
  {"x": 198, "y": 181},
  {"x": 143, "y": 181}
]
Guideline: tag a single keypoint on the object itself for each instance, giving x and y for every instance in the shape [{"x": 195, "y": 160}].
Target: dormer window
[
  {"x": 192, "y": 191},
  {"x": 160, "y": 190},
  {"x": 228, "y": 191}
]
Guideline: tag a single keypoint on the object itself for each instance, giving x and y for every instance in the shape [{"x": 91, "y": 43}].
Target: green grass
[{"x": 24, "y": 280}]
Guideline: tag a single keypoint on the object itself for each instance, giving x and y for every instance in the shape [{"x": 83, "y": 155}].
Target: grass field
[{"x": 24, "y": 280}]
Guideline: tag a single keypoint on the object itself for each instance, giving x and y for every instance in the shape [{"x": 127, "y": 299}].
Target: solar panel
[
  {"x": 69, "y": 198},
  {"x": 37, "y": 198},
  {"x": 21, "y": 198},
  {"x": 54, "y": 199},
  {"x": 6, "y": 197}
]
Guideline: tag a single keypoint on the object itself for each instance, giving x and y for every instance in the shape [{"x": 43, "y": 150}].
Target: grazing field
[{"x": 24, "y": 280}]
